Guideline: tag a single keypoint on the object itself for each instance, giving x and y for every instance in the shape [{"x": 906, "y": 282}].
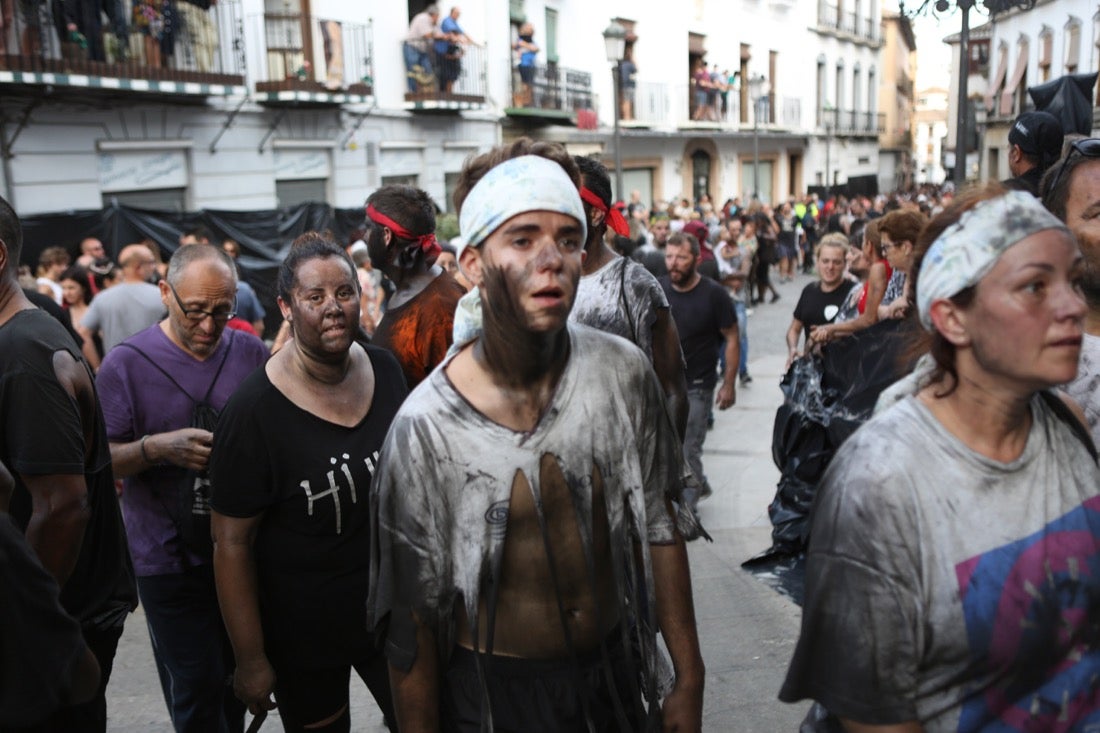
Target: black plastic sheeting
[
  {"x": 827, "y": 398},
  {"x": 1069, "y": 98},
  {"x": 264, "y": 236}
]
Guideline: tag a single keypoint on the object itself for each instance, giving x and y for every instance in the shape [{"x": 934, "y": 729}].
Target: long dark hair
[{"x": 80, "y": 276}]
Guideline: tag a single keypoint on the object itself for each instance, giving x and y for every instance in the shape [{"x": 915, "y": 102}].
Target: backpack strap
[
  {"x": 1066, "y": 415},
  {"x": 159, "y": 368},
  {"x": 626, "y": 303}
]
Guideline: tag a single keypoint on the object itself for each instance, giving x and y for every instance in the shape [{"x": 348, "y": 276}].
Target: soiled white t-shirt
[
  {"x": 952, "y": 589},
  {"x": 1086, "y": 388}
]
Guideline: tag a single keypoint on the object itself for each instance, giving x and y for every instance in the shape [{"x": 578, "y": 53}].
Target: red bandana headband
[
  {"x": 615, "y": 219},
  {"x": 427, "y": 241}
]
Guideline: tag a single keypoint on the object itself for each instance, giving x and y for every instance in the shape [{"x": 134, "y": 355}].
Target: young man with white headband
[{"x": 525, "y": 541}]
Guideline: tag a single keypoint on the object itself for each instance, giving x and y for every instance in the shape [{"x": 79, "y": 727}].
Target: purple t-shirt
[{"x": 138, "y": 400}]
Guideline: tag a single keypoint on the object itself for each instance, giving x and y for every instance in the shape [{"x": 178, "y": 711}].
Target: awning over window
[
  {"x": 1013, "y": 82},
  {"x": 998, "y": 78}
]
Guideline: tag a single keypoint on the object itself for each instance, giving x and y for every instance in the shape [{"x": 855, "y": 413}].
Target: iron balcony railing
[
  {"x": 851, "y": 122},
  {"x": 554, "y": 88},
  {"x": 446, "y": 73},
  {"x": 829, "y": 16},
  {"x": 184, "y": 44},
  {"x": 307, "y": 53}
]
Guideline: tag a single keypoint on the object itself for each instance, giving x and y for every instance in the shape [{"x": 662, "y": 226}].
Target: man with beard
[
  {"x": 1071, "y": 191},
  {"x": 705, "y": 320},
  {"x": 417, "y": 325},
  {"x": 524, "y": 535}
]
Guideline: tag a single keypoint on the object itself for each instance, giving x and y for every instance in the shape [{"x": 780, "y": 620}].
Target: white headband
[
  {"x": 968, "y": 249},
  {"x": 516, "y": 186}
]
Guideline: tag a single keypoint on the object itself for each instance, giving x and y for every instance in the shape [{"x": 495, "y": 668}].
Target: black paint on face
[
  {"x": 380, "y": 255},
  {"x": 515, "y": 353}
]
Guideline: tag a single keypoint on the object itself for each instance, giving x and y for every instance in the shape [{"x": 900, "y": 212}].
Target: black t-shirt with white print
[
  {"x": 816, "y": 308},
  {"x": 310, "y": 478}
]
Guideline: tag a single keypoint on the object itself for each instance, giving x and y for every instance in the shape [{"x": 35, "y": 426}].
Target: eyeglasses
[
  {"x": 1088, "y": 148},
  {"x": 197, "y": 315}
]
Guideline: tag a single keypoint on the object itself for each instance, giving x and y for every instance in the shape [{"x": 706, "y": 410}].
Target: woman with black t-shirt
[{"x": 291, "y": 469}]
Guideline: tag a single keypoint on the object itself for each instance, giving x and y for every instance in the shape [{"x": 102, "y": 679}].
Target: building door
[
  {"x": 640, "y": 180},
  {"x": 700, "y": 175}
]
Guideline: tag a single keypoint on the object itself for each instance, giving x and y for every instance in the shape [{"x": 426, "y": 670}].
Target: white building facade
[
  {"x": 1028, "y": 48},
  {"x": 279, "y": 102}
]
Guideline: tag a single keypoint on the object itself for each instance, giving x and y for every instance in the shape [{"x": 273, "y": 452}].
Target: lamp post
[
  {"x": 828, "y": 111},
  {"x": 962, "y": 118},
  {"x": 758, "y": 87},
  {"x": 964, "y": 97},
  {"x": 614, "y": 38}
]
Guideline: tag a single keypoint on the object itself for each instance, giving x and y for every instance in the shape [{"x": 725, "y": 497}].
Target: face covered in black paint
[
  {"x": 324, "y": 307},
  {"x": 535, "y": 258}
]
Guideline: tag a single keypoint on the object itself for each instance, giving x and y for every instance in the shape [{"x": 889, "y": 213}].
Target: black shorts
[
  {"x": 527, "y": 74},
  {"x": 307, "y": 695},
  {"x": 540, "y": 696}
]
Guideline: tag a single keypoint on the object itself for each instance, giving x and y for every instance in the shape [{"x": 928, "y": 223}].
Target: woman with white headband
[{"x": 953, "y": 571}]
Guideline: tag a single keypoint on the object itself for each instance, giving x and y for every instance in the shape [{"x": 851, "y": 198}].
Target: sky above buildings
[{"x": 934, "y": 62}]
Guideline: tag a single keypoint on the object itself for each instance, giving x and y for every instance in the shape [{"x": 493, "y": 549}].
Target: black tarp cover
[
  {"x": 827, "y": 398},
  {"x": 1069, "y": 98},
  {"x": 264, "y": 236}
]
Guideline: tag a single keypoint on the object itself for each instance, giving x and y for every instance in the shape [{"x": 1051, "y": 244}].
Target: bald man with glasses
[{"x": 162, "y": 390}]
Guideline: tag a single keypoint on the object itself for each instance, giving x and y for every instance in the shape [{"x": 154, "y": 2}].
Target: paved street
[{"x": 746, "y": 629}]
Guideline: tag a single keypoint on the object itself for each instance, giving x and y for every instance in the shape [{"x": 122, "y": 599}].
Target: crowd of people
[
  {"x": 153, "y": 33},
  {"x": 467, "y": 471}
]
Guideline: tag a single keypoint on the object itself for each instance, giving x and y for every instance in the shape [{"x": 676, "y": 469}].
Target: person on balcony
[
  {"x": 418, "y": 60},
  {"x": 701, "y": 87},
  {"x": 527, "y": 48},
  {"x": 449, "y": 50},
  {"x": 628, "y": 83}
]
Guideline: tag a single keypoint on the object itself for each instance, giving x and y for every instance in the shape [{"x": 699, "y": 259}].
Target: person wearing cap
[
  {"x": 525, "y": 540},
  {"x": 618, "y": 295},
  {"x": 953, "y": 569},
  {"x": 1034, "y": 143},
  {"x": 419, "y": 316}
]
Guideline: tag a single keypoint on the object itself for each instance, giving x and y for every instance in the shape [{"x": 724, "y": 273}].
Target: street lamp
[
  {"x": 827, "y": 111},
  {"x": 942, "y": 6},
  {"x": 614, "y": 38},
  {"x": 758, "y": 87}
]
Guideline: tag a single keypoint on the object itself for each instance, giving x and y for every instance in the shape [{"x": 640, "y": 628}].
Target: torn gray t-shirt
[
  {"x": 1086, "y": 388},
  {"x": 622, "y": 298},
  {"x": 443, "y": 487},
  {"x": 952, "y": 589}
]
